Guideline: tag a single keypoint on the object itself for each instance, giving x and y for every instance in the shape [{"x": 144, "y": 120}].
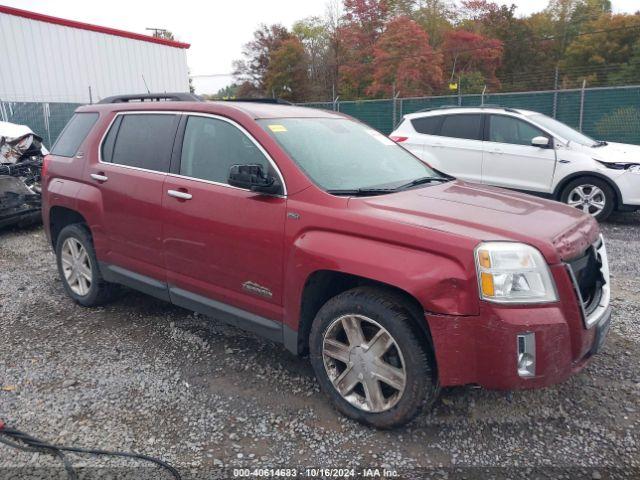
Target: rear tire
[
  {"x": 78, "y": 267},
  {"x": 591, "y": 195},
  {"x": 370, "y": 358}
]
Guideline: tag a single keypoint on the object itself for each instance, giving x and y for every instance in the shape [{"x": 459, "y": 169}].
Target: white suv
[{"x": 526, "y": 151}]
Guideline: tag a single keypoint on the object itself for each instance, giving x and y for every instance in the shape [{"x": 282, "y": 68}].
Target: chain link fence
[
  {"x": 46, "y": 119},
  {"x": 607, "y": 113}
]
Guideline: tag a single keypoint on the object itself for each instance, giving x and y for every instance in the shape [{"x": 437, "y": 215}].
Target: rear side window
[
  {"x": 427, "y": 125},
  {"x": 74, "y": 134},
  {"x": 462, "y": 125},
  {"x": 141, "y": 140}
]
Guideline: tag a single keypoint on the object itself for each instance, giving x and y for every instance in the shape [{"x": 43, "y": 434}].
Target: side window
[
  {"x": 506, "y": 129},
  {"x": 211, "y": 146},
  {"x": 74, "y": 134},
  {"x": 461, "y": 125},
  {"x": 427, "y": 125},
  {"x": 142, "y": 140},
  {"x": 110, "y": 140}
]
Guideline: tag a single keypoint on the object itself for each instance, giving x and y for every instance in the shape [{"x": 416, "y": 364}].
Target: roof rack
[
  {"x": 277, "y": 101},
  {"x": 153, "y": 97},
  {"x": 486, "y": 105}
]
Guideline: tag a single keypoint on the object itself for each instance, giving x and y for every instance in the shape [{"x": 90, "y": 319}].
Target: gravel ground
[{"x": 141, "y": 375}]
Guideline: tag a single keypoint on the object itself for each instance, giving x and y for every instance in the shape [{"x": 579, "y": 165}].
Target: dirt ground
[{"x": 141, "y": 375}]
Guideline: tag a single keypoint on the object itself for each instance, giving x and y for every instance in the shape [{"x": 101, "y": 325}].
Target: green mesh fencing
[
  {"x": 605, "y": 113},
  {"x": 46, "y": 119}
]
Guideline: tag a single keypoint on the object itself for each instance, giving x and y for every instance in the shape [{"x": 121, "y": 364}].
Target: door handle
[
  {"x": 99, "y": 177},
  {"x": 179, "y": 194}
]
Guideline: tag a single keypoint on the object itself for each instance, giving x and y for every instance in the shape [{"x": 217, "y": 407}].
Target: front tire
[
  {"x": 78, "y": 267},
  {"x": 591, "y": 195},
  {"x": 370, "y": 358}
]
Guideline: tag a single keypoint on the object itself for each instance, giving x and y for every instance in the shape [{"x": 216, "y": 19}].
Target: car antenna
[{"x": 145, "y": 84}]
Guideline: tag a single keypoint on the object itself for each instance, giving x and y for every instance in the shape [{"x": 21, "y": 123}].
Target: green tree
[
  {"x": 315, "y": 35},
  {"x": 251, "y": 70},
  {"x": 615, "y": 44},
  {"x": 286, "y": 76}
]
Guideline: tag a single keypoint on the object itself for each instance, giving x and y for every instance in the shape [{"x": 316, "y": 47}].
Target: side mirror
[
  {"x": 254, "y": 178},
  {"x": 542, "y": 142}
]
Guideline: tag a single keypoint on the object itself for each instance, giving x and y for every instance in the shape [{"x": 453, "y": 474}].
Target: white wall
[{"x": 45, "y": 62}]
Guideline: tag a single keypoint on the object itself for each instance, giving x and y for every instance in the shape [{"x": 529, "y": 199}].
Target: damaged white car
[
  {"x": 21, "y": 156},
  {"x": 526, "y": 151}
]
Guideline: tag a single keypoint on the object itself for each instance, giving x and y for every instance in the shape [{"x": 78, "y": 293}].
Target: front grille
[{"x": 590, "y": 275}]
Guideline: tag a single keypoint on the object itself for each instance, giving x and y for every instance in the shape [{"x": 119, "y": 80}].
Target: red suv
[{"x": 316, "y": 231}]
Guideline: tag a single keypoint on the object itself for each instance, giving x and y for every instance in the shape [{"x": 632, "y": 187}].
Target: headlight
[
  {"x": 634, "y": 169},
  {"x": 511, "y": 272}
]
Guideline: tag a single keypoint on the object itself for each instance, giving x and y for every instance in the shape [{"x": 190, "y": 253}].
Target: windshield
[
  {"x": 343, "y": 155},
  {"x": 562, "y": 130}
]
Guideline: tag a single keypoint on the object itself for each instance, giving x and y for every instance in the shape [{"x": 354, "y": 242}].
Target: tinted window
[
  {"x": 427, "y": 125},
  {"x": 462, "y": 126},
  {"x": 74, "y": 134},
  {"x": 145, "y": 141},
  {"x": 505, "y": 129},
  {"x": 212, "y": 146},
  {"x": 110, "y": 140}
]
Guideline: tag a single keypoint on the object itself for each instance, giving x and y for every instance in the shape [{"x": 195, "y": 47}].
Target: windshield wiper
[
  {"x": 421, "y": 181},
  {"x": 599, "y": 143},
  {"x": 362, "y": 191}
]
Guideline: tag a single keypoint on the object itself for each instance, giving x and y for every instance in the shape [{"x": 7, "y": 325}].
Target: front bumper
[
  {"x": 629, "y": 185},
  {"x": 483, "y": 349}
]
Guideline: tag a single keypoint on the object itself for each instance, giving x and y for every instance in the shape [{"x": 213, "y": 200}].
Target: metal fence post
[
  {"x": 584, "y": 84},
  {"x": 555, "y": 94}
]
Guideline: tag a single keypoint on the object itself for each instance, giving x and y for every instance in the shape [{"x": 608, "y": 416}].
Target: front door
[
  {"x": 511, "y": 161},
  {"x": 223, "y": 245}
]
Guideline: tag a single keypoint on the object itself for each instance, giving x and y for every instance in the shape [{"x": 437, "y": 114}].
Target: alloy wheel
[
  {"x": 364, "y": 363},
  {"x": 588, "y": 198},
  {"x": 76, "y": 267}
]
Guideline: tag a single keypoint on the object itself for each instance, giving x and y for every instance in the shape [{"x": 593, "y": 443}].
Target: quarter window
[
  {"x": 506, "y": 129},
  {"x": 211, "y": 146},
  {"x": 462, "y": 125},
  {"x": 427, "y": 125},
  {"x": 142, "y": 141},
  {"x": 74, "y": 134}
]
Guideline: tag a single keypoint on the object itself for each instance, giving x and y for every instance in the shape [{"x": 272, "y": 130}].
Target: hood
[
  {"x": 488, "y": 213},
  {"x": 612, "y": 152}
]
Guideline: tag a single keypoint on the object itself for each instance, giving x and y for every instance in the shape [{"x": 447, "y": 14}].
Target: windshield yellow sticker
[{"x": 277, "y": 128}]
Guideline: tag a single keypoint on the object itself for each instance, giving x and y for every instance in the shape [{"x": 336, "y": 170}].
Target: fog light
[{"x": 527, "y": 354}]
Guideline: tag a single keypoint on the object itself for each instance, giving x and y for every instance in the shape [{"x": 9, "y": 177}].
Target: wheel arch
[
  {"x": 574, "y": 176},
  {"x": 60, "y": 217},
  {"x": 322, "y": 285}
]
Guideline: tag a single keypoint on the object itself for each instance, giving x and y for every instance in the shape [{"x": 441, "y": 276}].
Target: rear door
[
  {"x": 509, "y": 158},
  {"x": 223, "y": 245},
  {"x": 134, "y": 161},
  {"x": 457, "y": 147}
]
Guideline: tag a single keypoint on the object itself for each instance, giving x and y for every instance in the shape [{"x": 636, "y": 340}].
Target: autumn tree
[
  {"x": 363, "y": 24},
  {"x": 403, "y": 56},
  {"x": 612, "y": 43},
  {"x": 287, "y": 71},
  {"x": 466, "y": 52},
  {"x": 250, "y": 72}
]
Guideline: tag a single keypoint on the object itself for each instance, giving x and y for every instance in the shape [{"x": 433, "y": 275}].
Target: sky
[{"x": 216, "y": 29}]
